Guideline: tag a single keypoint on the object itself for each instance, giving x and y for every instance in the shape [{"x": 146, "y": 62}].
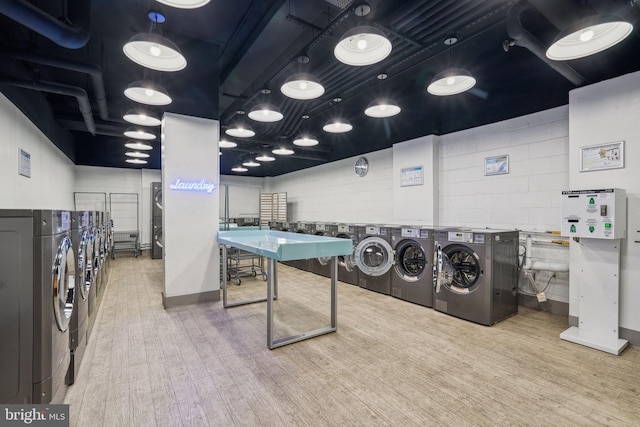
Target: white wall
[
  {"x": 51, "y": 184},
  {"x": 244, "y": 196},
  {"x": 605, "y": 112},
  {"x": 333, "y": 192}
]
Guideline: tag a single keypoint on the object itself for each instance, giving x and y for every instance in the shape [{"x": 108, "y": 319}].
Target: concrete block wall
[{"x": 51, "y": 184}]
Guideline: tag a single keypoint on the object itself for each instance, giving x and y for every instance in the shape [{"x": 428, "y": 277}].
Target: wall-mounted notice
[
  {"x": 496, "y": 165},
  {"x": 412, "y": 176},
  {"x": 24, "y": 163},
  {"x": 602, "y": 156}
]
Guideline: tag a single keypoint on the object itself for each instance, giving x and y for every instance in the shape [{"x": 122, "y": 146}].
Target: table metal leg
[{"x": 225, "y": 302}]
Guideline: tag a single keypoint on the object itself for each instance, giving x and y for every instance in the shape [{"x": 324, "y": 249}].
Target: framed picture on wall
[
  {"x": 602, "y": 156},
  {"x": 496, "y": 165}
]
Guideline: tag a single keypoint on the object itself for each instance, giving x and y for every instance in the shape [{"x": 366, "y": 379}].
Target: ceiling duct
[
  {"x": 59, "y": 89},
  {"x": 93, "y": 70},
  {"x": 71, "y": 37},
  {"x": 524, "y": 38}
]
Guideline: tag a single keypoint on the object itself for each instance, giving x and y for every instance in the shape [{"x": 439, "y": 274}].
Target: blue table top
[
  {"x": 285, "y": 246},
  {"x": 234, "y": 227}
]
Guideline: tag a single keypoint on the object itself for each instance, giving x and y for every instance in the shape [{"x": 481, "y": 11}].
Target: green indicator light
[
  {"x": 572, "y": 229},
  {"x": 591, "y": 201},
  {"x": 607, "y": 225},
  {"x": 591, "y": 228}
]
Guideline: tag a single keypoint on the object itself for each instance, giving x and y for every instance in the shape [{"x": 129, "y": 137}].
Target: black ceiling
[{"x": 235, "y": 49}]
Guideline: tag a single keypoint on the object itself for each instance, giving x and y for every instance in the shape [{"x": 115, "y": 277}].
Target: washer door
[
  {"x": 374, "y": 256},
  {"x": 85, "y": 261},
  {"x": 347, "y": 262},
  {"x": 64, "y": 282},
  {"x": 157, "y": 199},
  {"x": 324, "y": 260},
  {"x": 411, "y": 260},
  {"x": 157, "y": 237},
  {"x": 458, "y": 269},
  {"x": 97, "y": 245}
]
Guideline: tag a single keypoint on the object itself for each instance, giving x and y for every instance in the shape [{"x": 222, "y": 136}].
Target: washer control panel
[{"x": 595, "y": 214}]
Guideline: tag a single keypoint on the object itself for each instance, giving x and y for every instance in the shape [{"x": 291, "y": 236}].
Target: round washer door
[
  {"x": 85, "y": 261},
  {"x": 374, "y": 256},
  {"x": 64, "y": 283},
  {"x": 158, "y": 199},
  {"x": 411, "y": 260},
  {"x": 347, "y": 262},
  {"x": 464, "y": 269},
  {"x": 97, "y": 245},
  {"x": 157, "y": 237}
]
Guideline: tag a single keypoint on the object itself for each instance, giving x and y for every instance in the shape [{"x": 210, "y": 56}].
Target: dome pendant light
[
  {"x": 305, "y": 141},
  {"x": 302, "y": 86},
  {"x": 363, "y": 45},
  {"x": 337, "y": 126},
  {"x": 223, "y": 143},
  {"x": 141, "y": 118},
  {"x": 154, "y": 51},
  {"x": 239, "y": 169},
  {"x": 136, "y": 133},
  {"x": 146, "y": 92},
  {"x": 589, "y": 36},
  {"x": 282, "y": 151},
  {"x": 265, "y": 114},
  {"x": 240, "y": 131},
  {"x": 184, "y": 4},
  {"x": 381, "y": 109},
  {"x": 453, "y": 80},
  {"x": 264, "y": 157},
  {"x": 138, "y": 145},
  {"x": 136, "y": 161}
]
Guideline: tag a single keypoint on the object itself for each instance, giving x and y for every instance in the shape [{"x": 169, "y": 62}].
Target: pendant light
[
  {"x": 589, "y": 36},
  {"x": 384, "y": 108},
  {"x": 153, "y": 50},
  {"x": 453, "y": 80},
  {"x": 240, "y": 131},
  {"x": 264, "y": 157},
  {"x": 184, "y": 4},
  {"x": 250, "y": 163},
  {"x": 141, "y": 118},
  {"x": 265, "y": 113},
  {"x": 305, "y": 141},
  {"x": 147, "y": 92},
  {"x": 138, "y": 133},
  {"x": 136, "y": 161},
  {"x": 363, "y": 45},
  {"x": 223, "y": 143},
  {"x": 282, "y": 151},
  {"x": 136, "y": 154},
  {"x": 337, "y": 126},
  {"x": 302, "y": 86},
  {"x": 239, "y": 169},
  {"x": 138, "y": 145}
]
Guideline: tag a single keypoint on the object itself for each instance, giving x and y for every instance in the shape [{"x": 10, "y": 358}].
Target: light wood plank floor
[{"x": 390, "y": 363}]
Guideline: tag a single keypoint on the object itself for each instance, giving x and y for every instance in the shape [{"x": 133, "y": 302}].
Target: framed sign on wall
[
  {"x": 602, "y": 156},
  {"x": 496, "y": 165}
]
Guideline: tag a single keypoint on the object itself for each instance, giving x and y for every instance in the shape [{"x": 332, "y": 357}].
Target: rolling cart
[
  {"x": 244, "y": 264},
  {"x": 126, "y": 241},
  {"x": 124, "y": 213}
]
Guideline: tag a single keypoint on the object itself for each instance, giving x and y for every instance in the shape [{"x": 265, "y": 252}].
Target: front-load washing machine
[
  {"x": 108, "y": 245},
  {"x": 156, "y": 241},
  {"x": 94, "y": 301},
  {"x": 412, "y": 274},
  {"x": 322, "y": 266},
  {"x": 36, "y": 301},
  {"x": 300, "y": 228},
  {"x": 374, "y": 258},
  {"x": 83, "y": 249},
  {"x": 347, "y": 269},
  {"x": 476, "y": 274}
]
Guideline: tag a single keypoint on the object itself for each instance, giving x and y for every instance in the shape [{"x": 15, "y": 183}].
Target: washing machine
[
  {"x": 99, "y": 243},
  {"x": 374, "y": 258},
  {"x": 412, "y": 273},
  {"x": 347, "y": 269},
  {"x": 156, "y": 241},
  {"x": 156, "y": 220},
  {"x": 476, "y": 274},
  {"x": 83, "y": 250},
  {"x": 107, "y": 234},
  {"x": 156, "y": 199},
  {"x": 94, "y": 240},
  {"x": 322, "y": 266},
  {"x": 36, "y": 301},
  {"x": 300, "y": 228}
]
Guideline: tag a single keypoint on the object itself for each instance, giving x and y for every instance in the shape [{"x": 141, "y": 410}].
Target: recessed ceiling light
[
  {"x": 362, "y": 46},
  {"x": 302, "y": 86},
  {"x": 136, "y": 161},
  {"x": 184, "y": 4},
  {"x": 266, "y": 114},
  {"x": 141, "y": 118},
  {"x": 385, "y": 108},
  {"x": 155, "y": 52},
  {"x": 305, "y": 141},
  {"x": 282, "y": 151},
  {"x": 149, "y": 93},
  {"x": 589, "y": 36},
  {"x": 264, "y": 157},
  {"x": 240, "y": 131},
  {"x": 135, "y": 133},
  {"x": 337, "y": 126},
  {"x": 137, "y": 145},
  {"x": 136, "y": 154},
  {"x": 451, "y": 82},
  {"x": 251, "y": 164},
  {"x": 239, "y": 169},
  {"x": 226, "y": 144}
]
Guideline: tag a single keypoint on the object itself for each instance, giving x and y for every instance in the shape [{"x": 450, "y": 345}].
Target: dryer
[
  {"x": 476, "y": 274},
  {"x": 322, "y": 266},
  {"x": 156, "y": 199},
  {"x": 36, "y": 301},
  {"x": 156, "y": 241},
  {"x": 83, "y": 249},
  {"x": 412, "y": 274},
  {"x": 347, "y": 269},
  {"x": 374, "y": 258}
]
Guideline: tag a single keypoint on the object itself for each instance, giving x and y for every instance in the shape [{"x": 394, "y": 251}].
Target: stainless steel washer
[
  {"x": 412, "y": 276},
  {"x": 374, "y": 258}
]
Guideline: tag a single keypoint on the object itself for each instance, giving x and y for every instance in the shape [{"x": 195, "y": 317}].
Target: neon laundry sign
[{"x": 201, "y": 186}]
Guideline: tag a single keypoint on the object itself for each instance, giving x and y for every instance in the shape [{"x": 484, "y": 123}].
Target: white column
[{"x": 190, "y": 191}]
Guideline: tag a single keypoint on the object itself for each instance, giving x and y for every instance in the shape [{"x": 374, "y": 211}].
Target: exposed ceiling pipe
[
  {"x": 93, "y": 70},
  {"x": 560, "y": 13},
  {"x": 60, "y": 89},
  {"x": 525, "y": 39},
  {"x": 71, "y": 37}
]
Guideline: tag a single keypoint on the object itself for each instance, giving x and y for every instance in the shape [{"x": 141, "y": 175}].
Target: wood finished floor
[{"x": 391, "y": 363}]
